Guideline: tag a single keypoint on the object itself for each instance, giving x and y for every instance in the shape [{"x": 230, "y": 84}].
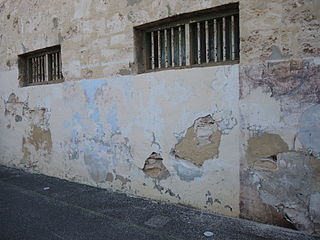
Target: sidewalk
[{"x": 29, "y": 210}]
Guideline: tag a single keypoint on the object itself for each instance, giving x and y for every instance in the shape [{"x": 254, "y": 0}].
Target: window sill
[
  {"x": 44, "y": 83},
  {"x": 193, "y": 66}
]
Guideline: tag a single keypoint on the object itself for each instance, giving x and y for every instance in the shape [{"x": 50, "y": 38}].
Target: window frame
[
  {"x": 141, "y": 31},
  {"x": 25, "y": 68}
]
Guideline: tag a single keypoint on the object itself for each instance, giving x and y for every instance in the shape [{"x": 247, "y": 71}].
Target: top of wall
[{"x": 96, "y": 36}]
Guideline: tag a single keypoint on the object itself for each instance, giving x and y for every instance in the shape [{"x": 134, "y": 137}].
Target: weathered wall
[
  {"x": 240, "y": 140},
  {"x": 279, "y": 110},
  {"x": 102, "y": 131}
]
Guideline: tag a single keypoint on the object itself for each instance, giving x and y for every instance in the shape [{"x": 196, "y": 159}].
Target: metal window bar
[
  {"x": 59, "y": 66},
  {"x": 187, "y": 39},
  {"x": 53, "y": 67},
  {"x": 166, "y": 48},
  {"x": 40, "y": 70},
  {"x": 180, "y": 46},
  {"x": 172, "y": 47},
  {"x": 199, "y": 43},
  {"x": 37, "y": 69},
  {"x": 214, "y": 40},
  {"x": 224, "y": 32},
  {"x": 44, "y": 67},
  {"x": 159, "y": 49},
  {"x": 152, "y": 51},
  {"x": 232, "y": 39},
  {"x": 207, "y": 41}
]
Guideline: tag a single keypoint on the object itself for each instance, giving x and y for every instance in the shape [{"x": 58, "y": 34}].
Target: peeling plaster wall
[
  {"x": 100, "y": 132},
  {"x": 279, "y": 111},
  {"x": 246, "y": 123}
]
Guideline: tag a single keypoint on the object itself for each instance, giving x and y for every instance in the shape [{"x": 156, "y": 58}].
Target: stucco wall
[
  {"x": 238, "y": 140},
  {"x": 101, "y": 132}
]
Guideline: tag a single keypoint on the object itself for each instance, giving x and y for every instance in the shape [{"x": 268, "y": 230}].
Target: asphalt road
[{"x": 29, "y": 210}]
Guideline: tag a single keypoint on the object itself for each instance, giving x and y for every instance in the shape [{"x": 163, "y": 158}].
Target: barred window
[
  {"x": 42, "y": 66},
  {"x": 201, "y": 38}
]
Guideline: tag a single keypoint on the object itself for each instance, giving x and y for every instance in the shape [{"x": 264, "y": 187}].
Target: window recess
[
  {"x": 42, "y": 66},
  {"x": 202, "y": 38}
]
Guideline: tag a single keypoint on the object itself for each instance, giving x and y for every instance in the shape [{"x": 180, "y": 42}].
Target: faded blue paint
[
  {"x": 67, "y": 124},
  {"x": 125, "y": 84},
  {"x": 112, "y": 118},
  {"x": 91, "y": 87},
  {"x": 95, "y": 116},
  {"x": 76, "y": 117},
  {"x": 100, "y": 130},
  {"x": 309, "y": 133}
]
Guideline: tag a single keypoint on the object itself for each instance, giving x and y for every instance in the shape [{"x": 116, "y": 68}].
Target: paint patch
[
  {"x": 155, "y": 168},
  {"x": 40, "y": 139},
  {"x": 133, "y": 2},
  {"x": 112, "y": 119},
  {"x": 276, "y": 54},
  {"x": 201, "y": 141},
  {"x": 13, "y": 106},
  {"x": 309, "y": 133},
  {"x": 122, "y": 179},
  {"x": 97, "y": 168},
  {"x": 187, "y": 171}
]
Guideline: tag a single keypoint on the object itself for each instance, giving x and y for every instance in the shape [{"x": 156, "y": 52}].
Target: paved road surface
[{"x": 73, "y": 211}]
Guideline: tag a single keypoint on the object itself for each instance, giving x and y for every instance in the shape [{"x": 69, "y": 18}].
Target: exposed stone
[
  {"x": 265, "y": 164},
  {"x": 40, "y": 139},
  {"x": 160, "y": 102},
  {"x": 253, "y": 208},
  {"x": 314, "y": 207},
  {"x": 265, "y": 146},
  {"x": 13, "y": 105},
  {"x": 201, "y": 141},
  {"x": 109, "y": 177},
  {"x": 154, "y": 167},
  {"x": 122, "y": 179},
  {"x": 124, "y": 71},
  {"x": 288, "y": 189}
]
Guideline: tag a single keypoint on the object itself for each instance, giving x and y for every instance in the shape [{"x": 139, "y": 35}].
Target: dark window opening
[
  {"x": 42, "y": 66},
  {"x": 204, "y": 37}
]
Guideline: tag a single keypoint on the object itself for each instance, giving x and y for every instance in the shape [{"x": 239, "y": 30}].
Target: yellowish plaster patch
[
  {"x": 201, "y": 141},
  {"x": 265, "y": 146}
]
